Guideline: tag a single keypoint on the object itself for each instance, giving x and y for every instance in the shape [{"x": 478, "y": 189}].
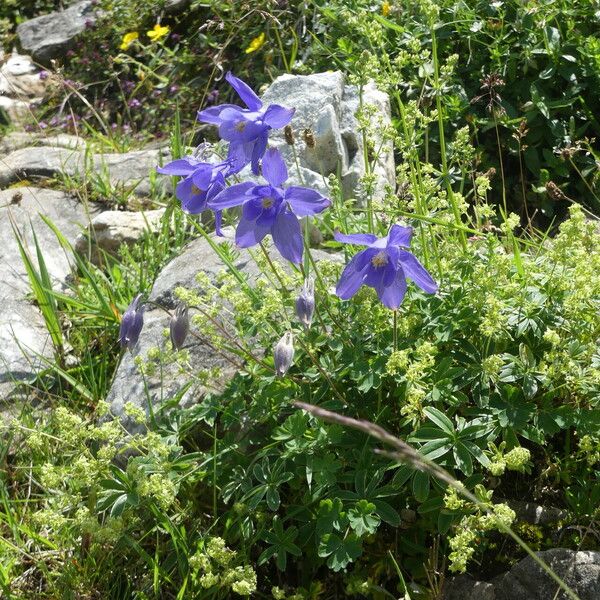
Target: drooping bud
[
  {"x": 131, "y": 324},
  {"x": 179, "y": 326},
  {"x": 305, "y": 303},
  {"x": 284, "y": 354}
]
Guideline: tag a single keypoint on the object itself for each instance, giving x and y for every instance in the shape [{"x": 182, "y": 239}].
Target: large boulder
[
  {"x": 169, "y": 381},
  {"x": 326, "y": 107},
  {"x": 130, "y": 171},
  {"x": 49, "y": 36},
  {"x": 25, "y": 345},
  {"x": 579, "y": 569}
]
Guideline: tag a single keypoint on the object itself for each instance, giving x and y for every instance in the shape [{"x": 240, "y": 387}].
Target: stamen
[
  {"x": 240, "y": 126},
  {"x": 195, "y": 189},
  {"x": 380, "y": 259},
  {"x": 267, "y": 202}
]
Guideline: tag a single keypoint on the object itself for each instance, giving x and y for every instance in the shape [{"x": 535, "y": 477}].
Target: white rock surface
[
  {"x": 111, "y": 228},
  {"x": 326, "y": 105},
  {"x": 24, "y": 340}
]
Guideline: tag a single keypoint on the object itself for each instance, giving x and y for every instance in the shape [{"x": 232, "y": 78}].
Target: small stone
[{"x": 110, "y": 229}]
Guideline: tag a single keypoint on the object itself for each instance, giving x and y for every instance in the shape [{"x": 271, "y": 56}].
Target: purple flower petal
[
  {"x": 352, "y": 277},
  {"x": 182, "y": 166},
  {"x": 416, "y": 271},
  {"x": 212, "y": 114},
  {"x": 392, "y": 295},
  {"x": 273, "y": 168},
  {"x": 218, "y": 223},
  {"x": 260, "y": 145},
  {"x": 305, "y": 202},
  {"x": 287, "y": 236},
  {"x": 202, "y": 178},
  {"x": 192, "y": 202},
  {"x": 362, "y": 239},
  {"x": 241, "y": 130},
  {"x": 249, "y": 234},
  {"x": 231, "y": 196},
  {"x": 245, "y": 92},
  {"x": 400, "y": 236},
  {"x": 252, "y": 209},
  {"x": 237, "y": 158},
  {"x": 277, "y": 116}
]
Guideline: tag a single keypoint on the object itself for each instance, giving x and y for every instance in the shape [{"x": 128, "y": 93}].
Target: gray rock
[
  {"x": 111, "y": 228},
  {"x": 579, "y": 569},
  {"x": 464, "y": 587},
  {"x": 130, "y": 171},
  {"x": 129, "y": 385},
  {"x": 173, "y": 7},
  {"x": 48, "y": 36},
  {"x": 535, "y": 513},
  {"x": 15, "y": 140},
  {"x": 384, "y": 167},
  {"x": 20, "y": 87},
  {"x": 24, "y": 340},
  {"x": 326, "y": 106},
  {"x": 40, "y": 161}
]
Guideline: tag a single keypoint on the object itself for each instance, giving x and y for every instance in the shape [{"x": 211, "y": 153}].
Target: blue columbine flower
[
  {"x": 201, "y": 181},
  {"x": 271, "y": 208},
  {"x": 384, "y": 265},
  {"x": 247, "y": 129},
  {"x": 131, "y": 324}
]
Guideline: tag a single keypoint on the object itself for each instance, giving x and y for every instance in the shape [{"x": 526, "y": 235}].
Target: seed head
[
  {"x": 309, "y": 138},
  {"x": 288, "y": 133}
]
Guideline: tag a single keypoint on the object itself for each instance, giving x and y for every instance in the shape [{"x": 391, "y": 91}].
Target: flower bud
[
  {"x": 305, "y": 303},
  {"x": 284, "y": 354},
  {"x": 131, "y": 324},
  {"x": 179, "y": 326}
]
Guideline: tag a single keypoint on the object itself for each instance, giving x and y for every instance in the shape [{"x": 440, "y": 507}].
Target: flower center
[
  {"x": 240, "y": 126},
  {"x": 267, "y": 202},
  {"x": 195, "y": 189},
  {"x": 380, "y": 259}
]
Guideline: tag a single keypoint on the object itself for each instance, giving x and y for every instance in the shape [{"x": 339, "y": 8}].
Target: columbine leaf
[
  {"x": 362, "y": 518},
  {"x": 341, "y": 552}
]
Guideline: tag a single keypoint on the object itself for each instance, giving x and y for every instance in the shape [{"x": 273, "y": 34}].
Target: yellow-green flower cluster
[
  {"x": 213, "y": 565},
  {"x": 589, "y": 446},
  {"x": 517, "y": 459},
  {"x": 471, "y": 528}
]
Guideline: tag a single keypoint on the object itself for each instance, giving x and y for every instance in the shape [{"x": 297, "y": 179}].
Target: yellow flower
[
  {"x": 158, "y": 32},
  {"x": 128, "y": 39},
  {"x": 386, "y": 8},
  {"x": 256, "y": 43}
]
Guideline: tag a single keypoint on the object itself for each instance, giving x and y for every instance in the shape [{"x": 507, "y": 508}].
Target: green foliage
[{"x": 496, "y": 378}]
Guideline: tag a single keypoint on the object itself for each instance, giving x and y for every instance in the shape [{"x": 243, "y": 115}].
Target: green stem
[
  {"x": 440, "y": 116},
  {"x": 214, "y": 478}
]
